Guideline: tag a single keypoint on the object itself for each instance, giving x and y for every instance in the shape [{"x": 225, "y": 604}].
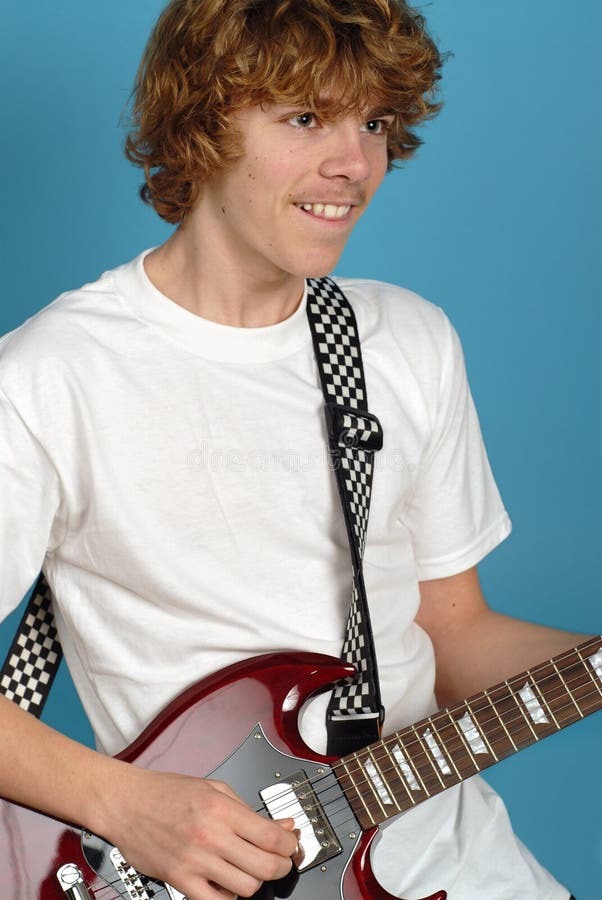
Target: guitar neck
[{"x": 395, "y": 774}]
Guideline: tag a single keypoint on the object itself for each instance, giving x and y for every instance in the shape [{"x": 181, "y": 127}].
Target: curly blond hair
[{"x": 209, "y": 58}]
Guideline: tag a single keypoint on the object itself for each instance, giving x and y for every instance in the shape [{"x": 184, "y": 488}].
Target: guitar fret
[
  {"x": 500, "y": 720},
  {"x": 519, "y": 710},
  {"x": 358, "y": 793},
  {"x": 473, "y": 735},
  {"x": 464, "y": 740},
  {"x": 481, "y": 730},
  {"x": 581, "y": 686},
  {"x": 372, "y": 799},
  {"x": 376, "y": 782},
  {"x": 388, "y": 775},
  {"x": 564, "y": 708},
  {"x": 595, "y": 661},
  {"x": 399, "y": 773},
  {"x": 414, "y": 768},
  {"x": 444, "y": 748},
  {"x": 522, "y": 711},
  {"x": 428, "y": 754},
  {"x": 567, "y": 689},
  {"x": 542, "y": 697},
  {"x": 436, "y": 753},
  {"x": 395, "y": 784},
  {"x": 579, "y": 676},
  {"x": 453, "y": 743}
]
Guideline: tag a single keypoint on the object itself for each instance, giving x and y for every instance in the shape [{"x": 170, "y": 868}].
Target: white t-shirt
[{"x": 171, "y": 476}]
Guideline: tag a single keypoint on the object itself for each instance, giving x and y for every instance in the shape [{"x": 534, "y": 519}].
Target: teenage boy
[{"x": 264, "y": 129}]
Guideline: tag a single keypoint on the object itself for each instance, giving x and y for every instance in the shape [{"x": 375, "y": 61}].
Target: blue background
[{"x": 497, "y": 220}]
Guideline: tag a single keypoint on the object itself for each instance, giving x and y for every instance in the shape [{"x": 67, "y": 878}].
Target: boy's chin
[
  {"x": 318, "y": 273},
  {"x": 321, "y": 268}
]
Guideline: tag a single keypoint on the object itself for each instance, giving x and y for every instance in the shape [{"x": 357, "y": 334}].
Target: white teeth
[{"x": 326, "y": 210}]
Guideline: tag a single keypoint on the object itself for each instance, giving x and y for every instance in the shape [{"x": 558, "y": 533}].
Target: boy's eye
[
  {"x": 375, "y": 126},
  {"x": 303, "y": 120}
]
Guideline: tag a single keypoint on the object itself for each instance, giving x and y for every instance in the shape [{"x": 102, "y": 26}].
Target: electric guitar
[{"x": 240, "y": 726}]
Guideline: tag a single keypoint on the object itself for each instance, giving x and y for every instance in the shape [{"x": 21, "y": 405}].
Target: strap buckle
[{"x": 353, "y": 429}]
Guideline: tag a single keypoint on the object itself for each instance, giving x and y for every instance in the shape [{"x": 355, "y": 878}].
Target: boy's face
[{"x": 288, "y": 206}]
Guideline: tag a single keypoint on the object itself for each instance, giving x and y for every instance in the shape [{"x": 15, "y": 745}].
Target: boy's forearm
[
  {"x": 41, "y": 768},
  {"x": 496, "y": 647}
]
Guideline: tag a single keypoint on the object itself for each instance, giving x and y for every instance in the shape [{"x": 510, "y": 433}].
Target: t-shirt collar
[{"x": 204, "y": 337}]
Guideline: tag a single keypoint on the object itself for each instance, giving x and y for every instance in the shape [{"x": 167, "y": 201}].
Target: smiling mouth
[{"x": 325, "y": 210}]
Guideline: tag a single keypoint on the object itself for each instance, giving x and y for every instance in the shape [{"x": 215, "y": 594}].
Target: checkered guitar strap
[
  {"x": 35, "y": 654},
  {"x": 355, "y": 712}
]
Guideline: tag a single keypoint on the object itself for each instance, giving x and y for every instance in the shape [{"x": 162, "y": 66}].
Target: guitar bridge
[
  {"x": 132, "y": 880},
  {"x": 293, "y": 797}
]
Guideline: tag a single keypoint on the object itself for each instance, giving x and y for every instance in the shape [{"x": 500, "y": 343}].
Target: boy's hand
[{"x": 194, "y": 834}]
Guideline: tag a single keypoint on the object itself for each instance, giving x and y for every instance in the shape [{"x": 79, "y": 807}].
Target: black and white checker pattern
[
  {"x": 362, "y": 430},
  {"x": 35, "y": 655},
  {"x": 356, "y": 697},
  {"x": 358, "y": 484},
  {"x": 354, "y": 437},
  {"x": 336, "y": 343}
]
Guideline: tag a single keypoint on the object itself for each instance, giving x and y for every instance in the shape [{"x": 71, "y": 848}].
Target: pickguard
[{"x": 254, "y": 766}]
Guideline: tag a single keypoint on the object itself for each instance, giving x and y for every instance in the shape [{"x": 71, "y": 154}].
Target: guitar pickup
[{"x": 293, "y": 797}]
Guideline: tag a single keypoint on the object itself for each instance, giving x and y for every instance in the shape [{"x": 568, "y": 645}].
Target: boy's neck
[{"x": 208, "y": 282}]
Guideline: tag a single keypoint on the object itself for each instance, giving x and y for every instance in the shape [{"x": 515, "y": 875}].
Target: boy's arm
[
  {"x": 193, "y": 833},
  {"x": 476, "y": 647}
]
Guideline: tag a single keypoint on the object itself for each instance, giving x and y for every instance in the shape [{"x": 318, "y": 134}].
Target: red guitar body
[{"x": 239, "y": 725}]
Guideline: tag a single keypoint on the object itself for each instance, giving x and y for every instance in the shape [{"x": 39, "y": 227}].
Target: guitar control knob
[{"x": 72, "y": 883}]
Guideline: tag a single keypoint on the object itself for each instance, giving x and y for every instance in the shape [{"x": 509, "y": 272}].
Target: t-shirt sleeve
[
  {"x": 30, "y": 520},
  {"x": 455, "y": 514}
]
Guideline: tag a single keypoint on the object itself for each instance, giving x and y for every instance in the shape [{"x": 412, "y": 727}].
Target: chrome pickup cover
[{"x": 293, "y": 797}]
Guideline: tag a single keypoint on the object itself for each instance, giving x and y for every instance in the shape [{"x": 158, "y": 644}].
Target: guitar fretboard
[{"x": 395, "y": 774}]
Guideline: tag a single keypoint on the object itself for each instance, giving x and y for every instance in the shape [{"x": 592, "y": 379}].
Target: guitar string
[
  {"x": 428, "y": 769},
  {"x": 443, "y": 719},
  {"x": 513, "y": 682},
  {"x": 369, "y": 793},
  {"x": 148, "y": 884},
  {"x": 365, "y": 792},
  {"x": 414, "y": 740}
]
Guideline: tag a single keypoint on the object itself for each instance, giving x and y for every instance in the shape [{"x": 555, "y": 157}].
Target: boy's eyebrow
[
  {"x": 285, "y": 109},
  {"x": 325, "y": 107},
  {"x": 377, "y": 112},
  {"x": 370, "y": 112}
]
